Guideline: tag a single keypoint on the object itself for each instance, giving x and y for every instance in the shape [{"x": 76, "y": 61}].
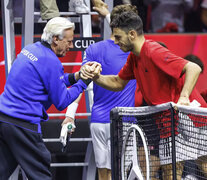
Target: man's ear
[
  {"x": 132, "y": 35},
  {"x": 55, "y": 39}
]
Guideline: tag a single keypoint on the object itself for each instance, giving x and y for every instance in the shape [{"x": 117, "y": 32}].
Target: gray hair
[{"x": 56, "y": 27}]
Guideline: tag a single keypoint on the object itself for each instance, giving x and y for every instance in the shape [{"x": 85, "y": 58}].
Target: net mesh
[{"x": 176, "y": 140}]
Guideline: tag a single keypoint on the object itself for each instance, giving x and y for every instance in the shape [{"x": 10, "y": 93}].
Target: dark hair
[
  {"x": 122, "y": 8},
  {"x": 127, "y": 21},
  {"x": 195, "y": 59}
]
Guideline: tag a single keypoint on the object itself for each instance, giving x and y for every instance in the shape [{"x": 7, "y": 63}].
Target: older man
[{"x": 35, "y": 82}]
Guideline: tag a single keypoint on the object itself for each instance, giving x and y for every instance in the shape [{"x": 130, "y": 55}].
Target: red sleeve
[
  {"x": 127, "y": 73},
  {"x": 167, "y": 61}
]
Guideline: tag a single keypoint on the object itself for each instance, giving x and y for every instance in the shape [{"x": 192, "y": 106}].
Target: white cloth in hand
[{"x": 66, "y": 128}]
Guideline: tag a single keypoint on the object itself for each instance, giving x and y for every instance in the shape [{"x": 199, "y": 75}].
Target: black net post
[
  {"x": 173, "y": 142},
  {"x": 115, "y": 156}
]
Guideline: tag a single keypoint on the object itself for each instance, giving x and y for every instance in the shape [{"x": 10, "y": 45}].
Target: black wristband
[{"x": 72, "y": 79}]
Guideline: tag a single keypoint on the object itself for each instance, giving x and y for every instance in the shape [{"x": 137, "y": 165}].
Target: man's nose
[{"x": 71, "y": 45}]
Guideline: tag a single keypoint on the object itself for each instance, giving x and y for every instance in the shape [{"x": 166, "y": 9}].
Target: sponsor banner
[{"x": 81, "y": 44}]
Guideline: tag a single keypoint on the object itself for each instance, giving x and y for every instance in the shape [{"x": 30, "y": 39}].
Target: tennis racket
[{"x": 135, "y": 157}]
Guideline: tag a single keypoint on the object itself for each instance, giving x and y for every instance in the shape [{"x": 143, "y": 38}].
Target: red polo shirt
[{"x": 158, "y": 74}]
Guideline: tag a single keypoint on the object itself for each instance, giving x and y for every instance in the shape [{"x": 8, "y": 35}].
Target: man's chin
[
  {"x": 124, "y": 50},
  {"x": 61, "y": 55}
]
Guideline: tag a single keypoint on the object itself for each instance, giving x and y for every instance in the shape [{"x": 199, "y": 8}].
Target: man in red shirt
[
  {"x": 159, "y": 73},
  {"x": 161, "y": 76}
]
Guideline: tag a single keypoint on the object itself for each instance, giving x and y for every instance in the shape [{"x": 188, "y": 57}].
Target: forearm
[
  {"x": 110, "y": 82},
  {"x": 192, "y": 72},
  {"x": 108, "y": 18},
  {"x": 71, "y": 110},
  {"x": 71, "y": 78}
]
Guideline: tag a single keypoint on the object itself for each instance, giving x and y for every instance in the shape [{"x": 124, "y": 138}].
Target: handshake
[{"x": 90, "y": 71}]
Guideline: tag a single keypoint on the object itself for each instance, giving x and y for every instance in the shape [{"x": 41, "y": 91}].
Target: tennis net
[{"x": 176, "y": 139}]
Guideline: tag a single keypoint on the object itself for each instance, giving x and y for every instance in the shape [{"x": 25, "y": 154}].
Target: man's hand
[
  {"x": 183, "y": 101},
  {"x": 69, "y": 120},
  {"x": 99, "y": 3},
  {"x": 102, "y": 10},
  {"x": 67, "y": 123},
  {"x": 90, "y": 70}
]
